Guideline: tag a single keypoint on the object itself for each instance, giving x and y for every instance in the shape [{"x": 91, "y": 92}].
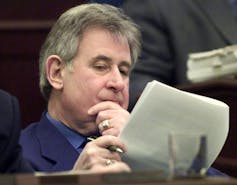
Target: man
[
  {"x": 173, "y": 29},
  {"x": 84, "y": 76},
  {"x": 11, "y": 160}
]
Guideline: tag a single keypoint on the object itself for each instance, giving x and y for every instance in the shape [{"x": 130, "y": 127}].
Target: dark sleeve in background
[
  {"x": 171, "y": 30},
  {"x": 155, "y": 61},
  {"x": 11, "y": 160}
]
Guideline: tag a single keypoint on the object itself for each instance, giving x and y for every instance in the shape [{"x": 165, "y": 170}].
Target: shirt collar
[{"x": 76, "y": 139}]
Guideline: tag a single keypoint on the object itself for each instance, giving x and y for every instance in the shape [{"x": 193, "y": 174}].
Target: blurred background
[{"x": 23, "y": 28}]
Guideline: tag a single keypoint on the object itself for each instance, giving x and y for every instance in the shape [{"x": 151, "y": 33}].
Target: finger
[
  {"x": 118, "y": 167},
  {"x": 103, "y": 106},
  {"x": 109, "y": 162},
  {"x": 111, "y": 131},
  {"x": 103, "y": 115},
  {"x": 113, "y": 168},
  {"x": 89, "y": 163},
  {"x": 111, "y": 121},
  {"x": 104, "y": 125},
  {"x": 119, "y": 114},
  {"x": 93, "y": 155},
  {"x": 93, "y": 150},
  {"x": 112, "y": 126},
  {"x": 108, "y": 140}
]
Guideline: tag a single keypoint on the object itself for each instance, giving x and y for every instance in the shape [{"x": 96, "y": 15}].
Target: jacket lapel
[
  {"x": 221, "y": 15},
  {"x": 55, "y": 147}
]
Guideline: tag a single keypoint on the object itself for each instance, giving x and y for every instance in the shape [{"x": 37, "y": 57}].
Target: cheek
[
  {"x": 91, "y": 91},
  {"x": 126, "y": 97}
]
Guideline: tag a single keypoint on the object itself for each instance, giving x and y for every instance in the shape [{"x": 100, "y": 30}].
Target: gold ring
[
  {"x": 108, "y": 162},
  {"x": 105, "y": 124}
]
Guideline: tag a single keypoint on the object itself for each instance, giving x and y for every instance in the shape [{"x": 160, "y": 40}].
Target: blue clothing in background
[
  {"x": 117, "y": 3},
  {"x": 233, "y": 4}
]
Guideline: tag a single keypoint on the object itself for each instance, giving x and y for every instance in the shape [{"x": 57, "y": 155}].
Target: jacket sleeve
[
  {"x": 155, "y": 61},
  {"x": 11, "y": 160}
]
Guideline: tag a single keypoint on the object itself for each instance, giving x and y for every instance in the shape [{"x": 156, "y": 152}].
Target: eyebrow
[
  {"x": 102, "y": 57},
  {"x": 109, "y": 60}
]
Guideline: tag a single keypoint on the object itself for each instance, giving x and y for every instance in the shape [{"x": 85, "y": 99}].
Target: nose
[{"x": 116, "y": 80}]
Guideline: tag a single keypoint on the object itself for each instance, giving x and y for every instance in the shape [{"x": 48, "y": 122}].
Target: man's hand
[
  {"x": 97, "y": 158},
  {"x": 111, "y": 117}
]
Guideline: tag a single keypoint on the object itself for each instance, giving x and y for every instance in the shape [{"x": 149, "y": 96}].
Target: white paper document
[
  {"x": 162, "y": 109},
  {"x": 214, "y": 64}
]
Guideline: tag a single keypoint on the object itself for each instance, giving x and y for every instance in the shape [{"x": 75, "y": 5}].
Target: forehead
[
  {"x": 100, "y": 41},
  {"x": 97, "y": 32}
]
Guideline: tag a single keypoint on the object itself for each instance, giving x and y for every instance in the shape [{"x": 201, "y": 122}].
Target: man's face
[{"x": 99, "y": 73}]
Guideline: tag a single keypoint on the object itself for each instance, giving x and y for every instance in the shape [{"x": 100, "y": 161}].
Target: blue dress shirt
[{"x": 75, "y": 139}]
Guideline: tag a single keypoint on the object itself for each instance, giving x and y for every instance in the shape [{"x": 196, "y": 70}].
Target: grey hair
[{"x": 65, "y": 35}]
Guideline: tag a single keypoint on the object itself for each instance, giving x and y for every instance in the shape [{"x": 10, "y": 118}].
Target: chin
[
  {"x": 90, "y": 128},
  {"x": 93, "y": 132}
]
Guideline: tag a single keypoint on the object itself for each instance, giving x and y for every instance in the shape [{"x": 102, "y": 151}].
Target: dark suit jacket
[
  {"x": 49, "y": 151},
  {"x": 46, "y": 148},
  {"x": 172, "y": 29},
  {"x": 11, "y": 160}
]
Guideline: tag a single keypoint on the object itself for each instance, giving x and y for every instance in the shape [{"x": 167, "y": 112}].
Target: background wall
[{"x": 23, "y": 28}]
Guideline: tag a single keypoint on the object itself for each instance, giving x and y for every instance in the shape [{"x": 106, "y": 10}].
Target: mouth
[
  {"x": 114, "y": 101},
  {"x": 117, "y": 99}
]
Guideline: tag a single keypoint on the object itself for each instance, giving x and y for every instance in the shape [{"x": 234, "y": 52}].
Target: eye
[
  {"x": 124, "y": 71},
  {"x": 101, "y": 66}
]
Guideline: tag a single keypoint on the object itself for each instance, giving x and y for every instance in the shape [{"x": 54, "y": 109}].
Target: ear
[{"x": 54, "y": 68}]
